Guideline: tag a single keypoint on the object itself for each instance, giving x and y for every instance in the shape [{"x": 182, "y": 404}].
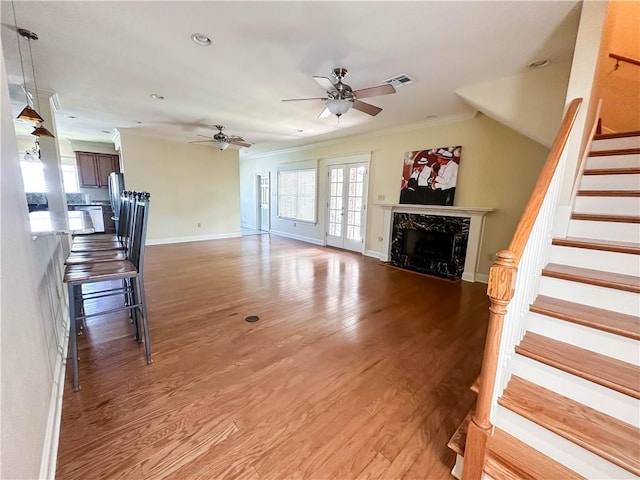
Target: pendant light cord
[
  {"x": 24, "y": 79},
  {"x": 33, "y": 69}
]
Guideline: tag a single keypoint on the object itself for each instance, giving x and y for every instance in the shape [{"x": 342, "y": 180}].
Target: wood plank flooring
[{"x": 354, "y": 370}]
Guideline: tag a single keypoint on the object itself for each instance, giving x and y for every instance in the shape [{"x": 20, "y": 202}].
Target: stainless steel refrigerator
[{"x": 116, "y": 186}]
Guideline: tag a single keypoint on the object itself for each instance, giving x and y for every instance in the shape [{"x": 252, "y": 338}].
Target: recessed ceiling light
[
  {"x": 539, "y": 64},
  {"x": 430, "y": 117},
  {"x": 138, "y": 122},
  {"x": 105, "y": 131},
  {"x": 201, "y": 39},
  {"x": 157, "y": 96},
  {"x": 70, "y": 116},
  {"x": 299, "y": 130}
]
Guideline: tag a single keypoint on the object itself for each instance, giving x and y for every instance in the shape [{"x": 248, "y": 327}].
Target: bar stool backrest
[
  {"x": 123, "y": 222},
  {"x": 139, "y": 230}
]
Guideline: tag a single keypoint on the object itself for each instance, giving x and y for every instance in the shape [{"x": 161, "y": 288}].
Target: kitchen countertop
[{"x": 60, "y": 223}]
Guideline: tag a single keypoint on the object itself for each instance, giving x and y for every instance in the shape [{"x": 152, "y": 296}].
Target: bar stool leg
[
  {"x": 145, "y": 324},
  {"x": 73, "y": 334},
  {"x": 134, "y": 312}
]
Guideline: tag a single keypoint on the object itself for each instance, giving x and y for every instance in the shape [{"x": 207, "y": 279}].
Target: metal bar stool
[{"x": 130, "y": 269}]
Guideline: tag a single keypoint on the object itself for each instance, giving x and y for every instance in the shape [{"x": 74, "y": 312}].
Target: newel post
[{"x": 500, "y": 290}]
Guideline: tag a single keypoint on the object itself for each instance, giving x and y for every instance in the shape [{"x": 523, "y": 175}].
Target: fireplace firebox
[{"x": 435, "y": 245}]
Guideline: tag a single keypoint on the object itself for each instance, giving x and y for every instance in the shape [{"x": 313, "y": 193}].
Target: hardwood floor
[{"x": 354, "y": 370}]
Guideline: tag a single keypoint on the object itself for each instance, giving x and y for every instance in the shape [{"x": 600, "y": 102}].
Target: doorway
[
  {"x": 264, "y": 208},
  {"x": 346, "y": 206}
]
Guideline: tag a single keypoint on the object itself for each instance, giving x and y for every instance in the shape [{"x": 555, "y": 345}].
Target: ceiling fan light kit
[
  {"x": 338, "y": 107},
  {"x": 223, "y": 141},
  {"x": 341, "y": 97}
]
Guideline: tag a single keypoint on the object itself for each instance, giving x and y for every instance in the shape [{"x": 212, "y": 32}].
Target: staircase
[{"x": 571, "y": 408}]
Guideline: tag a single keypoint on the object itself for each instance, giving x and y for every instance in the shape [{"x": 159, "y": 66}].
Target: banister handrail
[
  {"x": 622, "y": 58},
  {"x": 501, "y": 292},
  {"x": 523, "y": 230}
]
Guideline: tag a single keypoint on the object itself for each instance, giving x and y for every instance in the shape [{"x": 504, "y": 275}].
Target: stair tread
[
  {"x": 605, "y": 218},
  {"x": 606, "y": 436},
  {"x": 612, "y": 171},
  {"x": 621, "y": 151},
  {"x": 458, "y": 441},
  {"x": 605, "y": 136},
  {"x": 619, "y": 281},
  {"x": 592, "y": 244},
  {"x": 609, "y": 372},
  {"x": 605, "y": 320},
  {"x": 608, "y": 193},
  {"x": 510, "y": 459}
]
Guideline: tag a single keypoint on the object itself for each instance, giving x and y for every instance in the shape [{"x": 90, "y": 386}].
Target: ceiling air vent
[{"x": 400, "y": 80}]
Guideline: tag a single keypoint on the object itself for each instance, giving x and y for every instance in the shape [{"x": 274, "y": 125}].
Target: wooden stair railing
[
  {"x": 501, "y": 289},
  {"x": 622, "y": 58}
]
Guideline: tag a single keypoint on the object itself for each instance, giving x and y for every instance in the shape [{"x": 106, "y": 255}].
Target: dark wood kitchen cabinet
[{"x": 94, "y": 168}]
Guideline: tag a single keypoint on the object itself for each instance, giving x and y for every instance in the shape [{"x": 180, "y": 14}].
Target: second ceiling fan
[{"x": 340, "y": 97}]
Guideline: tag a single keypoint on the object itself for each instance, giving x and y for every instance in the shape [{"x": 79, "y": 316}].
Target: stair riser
[
  {"x": 608, "y": 231},
  {"x": 608, "y": 205},
  {"x": 627, "y": 181},
  {"x": 614, "y": 262},
  {"x": 614, "y": 346},
  {"x": 615, "y": 144},
  {"x": 614, "y": 161},
  {"x": 610, "y": 402},
  {"x": 559, "y": 449},
  {"x": 591, "y": 295}
]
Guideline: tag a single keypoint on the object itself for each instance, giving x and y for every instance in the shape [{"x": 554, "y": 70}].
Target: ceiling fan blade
[
  {"x": 326, "y": 83},
  {"x": 204, "y": 136},
  {"x": 374, "y": 91},
  {"x": 203, "y": 141},
  {"x": 366, "y": 108},
  {"x": 325, "y": 113},
  {"x": 300, "y": 99},
  {"x": 240, "y": 143}
]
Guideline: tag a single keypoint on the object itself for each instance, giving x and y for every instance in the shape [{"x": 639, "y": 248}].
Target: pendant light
[{"x": 28, "y": 114}]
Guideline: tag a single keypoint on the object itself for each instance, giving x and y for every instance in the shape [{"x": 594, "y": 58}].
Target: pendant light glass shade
[
  {"x": 42, "y": 132},
  {"x": 28, "y": 114},
  {"x": 223, "y": 145}
]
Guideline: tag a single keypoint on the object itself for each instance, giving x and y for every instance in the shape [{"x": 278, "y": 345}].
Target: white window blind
[
  {"x": 297, "y": 194},
  {"x": 70, "y": 178}
]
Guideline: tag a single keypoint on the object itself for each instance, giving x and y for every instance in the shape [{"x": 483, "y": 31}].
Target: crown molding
[{"x": 376, "y": 133}]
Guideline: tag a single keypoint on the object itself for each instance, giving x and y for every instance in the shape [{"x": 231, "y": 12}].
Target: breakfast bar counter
[{"x": 60, "y": 223}]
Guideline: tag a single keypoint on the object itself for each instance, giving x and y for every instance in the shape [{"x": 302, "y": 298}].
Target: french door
[
  {"x": 263, "y": 203},
  {"x": 346, "y": 206}
]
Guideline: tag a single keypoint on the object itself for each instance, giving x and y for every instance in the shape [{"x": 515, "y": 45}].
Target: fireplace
[{"x": 435, "y": 245}]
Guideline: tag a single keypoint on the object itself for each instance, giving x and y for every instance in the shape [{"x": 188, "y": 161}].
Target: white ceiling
[{"x": 104, "y": 59}]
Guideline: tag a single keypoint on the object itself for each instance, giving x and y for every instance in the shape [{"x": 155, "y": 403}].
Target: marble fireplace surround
[{"x": 476, "y": 228}]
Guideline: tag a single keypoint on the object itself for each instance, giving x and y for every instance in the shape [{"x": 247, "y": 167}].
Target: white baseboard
[
  {"x": 373, "y": 253},
  {"x": 49, "y": 458},
  {"x": 197, "y": 238},
  {"x": 248, "y": 227},
  {"x": 293, "y": 236}
]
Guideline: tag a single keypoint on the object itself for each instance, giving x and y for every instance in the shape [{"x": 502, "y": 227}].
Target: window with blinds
[{"x": 297, "y": 194}]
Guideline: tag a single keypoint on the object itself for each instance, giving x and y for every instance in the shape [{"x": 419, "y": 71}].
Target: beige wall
[
  {"x": 498, "y": 169},
  {"x": 189, "y": 184},
  {"x": 620, "y": 88}
]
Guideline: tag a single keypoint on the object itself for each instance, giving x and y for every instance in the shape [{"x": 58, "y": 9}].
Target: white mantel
[{"x": 476, "y": 228}]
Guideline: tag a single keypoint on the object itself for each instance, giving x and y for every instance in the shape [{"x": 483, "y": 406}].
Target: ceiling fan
[
  {"x": 340, "y": 97},
  {"x": 222, "y": 141}
]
